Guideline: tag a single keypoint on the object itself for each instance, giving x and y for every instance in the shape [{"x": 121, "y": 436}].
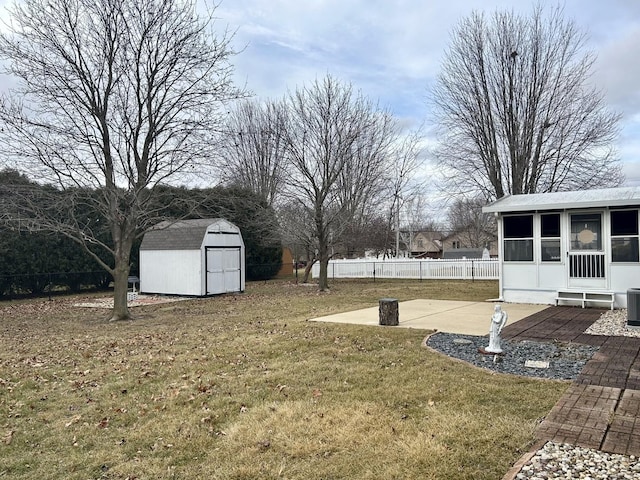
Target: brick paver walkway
[{"x": 601, "y": 409}]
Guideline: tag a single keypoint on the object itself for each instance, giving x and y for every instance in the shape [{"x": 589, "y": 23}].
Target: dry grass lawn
[{"x": 243, "y": 387}]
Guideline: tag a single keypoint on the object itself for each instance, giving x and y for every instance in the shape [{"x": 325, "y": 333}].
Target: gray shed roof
[
  {"x": 605, "y": 197},
  {"x": 457, "y": 253},
  {"x": 179, "y": 235}
]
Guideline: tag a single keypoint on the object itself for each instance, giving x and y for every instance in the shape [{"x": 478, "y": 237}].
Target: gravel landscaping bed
[
  {"x": 139, "y": 301},
  {"x": 562, "y": 361},
  {"x": 562, "y": 461},
  {"x": 613, "y": 323}
]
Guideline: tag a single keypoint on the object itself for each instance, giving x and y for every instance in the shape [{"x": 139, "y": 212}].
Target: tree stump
[{"x": 388, "y": 310}]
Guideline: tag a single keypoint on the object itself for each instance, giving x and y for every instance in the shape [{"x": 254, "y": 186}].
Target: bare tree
[
  {"x": 414, "y": 220},
  {"x": 337, "y": 145},
  {"x": 295, "y": 221},
  {"x": 516, "y": 110},
  {"x": 115, "y": 97},
  {"x": 403, "y": 189},
  {"x": 252, "y": 152},
  {"x": 374, "y": 235},
  {"x": 466, "y": 219}
]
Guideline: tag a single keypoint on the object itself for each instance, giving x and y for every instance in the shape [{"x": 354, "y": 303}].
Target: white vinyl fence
[{"x": 411, "y": 268}]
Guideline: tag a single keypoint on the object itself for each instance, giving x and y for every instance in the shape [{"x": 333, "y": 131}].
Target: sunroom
[{"x": 575, "y": 248}]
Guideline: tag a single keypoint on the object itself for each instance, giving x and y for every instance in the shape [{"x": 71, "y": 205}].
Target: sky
[{"x": 392, "y": 50}]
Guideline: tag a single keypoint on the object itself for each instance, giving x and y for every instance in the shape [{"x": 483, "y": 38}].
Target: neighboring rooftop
[
  {"x": 605, "y": 197},
  {"x": 459, "y": 253}
]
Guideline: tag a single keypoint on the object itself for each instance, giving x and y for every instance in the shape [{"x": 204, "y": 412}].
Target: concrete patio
[{"x": 471, "y": 318}]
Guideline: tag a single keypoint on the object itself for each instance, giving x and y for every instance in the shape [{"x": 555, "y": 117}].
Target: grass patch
[{"x": 243, "y": 387}]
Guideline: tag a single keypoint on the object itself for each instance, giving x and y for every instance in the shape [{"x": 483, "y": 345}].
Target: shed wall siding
[{"x": 172, "y": 272}]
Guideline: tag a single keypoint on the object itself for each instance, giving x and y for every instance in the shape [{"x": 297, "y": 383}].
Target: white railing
[
  {"x": 412, "y": 269},
  {"x": 586, "y": 265}
]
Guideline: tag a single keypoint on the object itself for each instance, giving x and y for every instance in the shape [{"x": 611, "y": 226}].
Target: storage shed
[
  {"x": 192, "y": 257},
  {"x": 576, "y": 248}
]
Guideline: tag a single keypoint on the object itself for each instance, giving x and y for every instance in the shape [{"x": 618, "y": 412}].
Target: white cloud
[
  {"x": 4, "y": 14},
  {"x": 392, "y": 50}
]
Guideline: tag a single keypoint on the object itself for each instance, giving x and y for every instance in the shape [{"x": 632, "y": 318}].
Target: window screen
[
  {"x": 518, "y": 238},
  {"x": 550, "y": 225},
  {"x": 624, "y": 236},
  {"x": 624, "y": 222},
  {"x": 550, "y": 233},
  {"x": 520, "y": 226}
]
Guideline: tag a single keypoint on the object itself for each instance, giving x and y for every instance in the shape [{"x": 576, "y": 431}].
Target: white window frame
[
  {"x": 557, "y": 239},
  {"x": 529, "y": 239},
  {"x": 619, "y": 237}
]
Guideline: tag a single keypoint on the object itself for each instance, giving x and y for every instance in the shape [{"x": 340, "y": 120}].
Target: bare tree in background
[
  {"x": 296, "y": 221},
  {"x": 516, "y": 110},
  {"x": 337, "y": 146},
  {"x": 475, "y": 228},
  {"x": 115, "y": 97},
  {"x": 403, "y": 188},
  {"x": 415, "y": 219},
  {"x": 252, "y": 154}
]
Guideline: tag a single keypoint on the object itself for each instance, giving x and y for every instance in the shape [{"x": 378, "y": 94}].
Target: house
[
  {"x": 470, "y": 243},
  {"x": 569, "y": 247},
  {"x": 192, "y": 257},
  {"x": 426, "y": 245}
]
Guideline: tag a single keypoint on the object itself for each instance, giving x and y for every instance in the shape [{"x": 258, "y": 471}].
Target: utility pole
[{"x": 397, "y": 201}]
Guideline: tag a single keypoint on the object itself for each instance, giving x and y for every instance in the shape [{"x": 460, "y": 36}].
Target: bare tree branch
[
  {"x": 516, "y": 112},
  {"x": 475, "y": 228},
  {"x": 114, "y": 96},
  {"x": 252, "y": 154},
  {"x": 337, "y": 144}
]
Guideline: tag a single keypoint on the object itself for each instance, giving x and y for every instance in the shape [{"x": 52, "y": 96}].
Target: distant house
[
  {"x": 470, "y": 244},
  {"x": 426, "y": 245},
  {"x": 569, "y": 247}
]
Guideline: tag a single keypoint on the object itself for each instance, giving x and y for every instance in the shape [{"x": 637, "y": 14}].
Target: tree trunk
[
  {"x": 121, "y": 279},
  {"x": 120, "y": 287},
  {"x": 323, "y": 281},
  {"x": 323, "y": 254},
  {"x": 307, "y": 270},
  {"x": 388, "y": 311}
]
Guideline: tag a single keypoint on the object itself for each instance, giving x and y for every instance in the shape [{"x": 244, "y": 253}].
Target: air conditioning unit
[{"x": 633, "y": 307}]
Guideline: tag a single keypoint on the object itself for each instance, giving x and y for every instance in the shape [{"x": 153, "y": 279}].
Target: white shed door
[
  {"x": 232, "y": 269},
  {"x": 223, "y": 270}
]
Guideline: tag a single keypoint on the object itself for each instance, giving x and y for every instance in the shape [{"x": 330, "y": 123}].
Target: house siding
[{"x": 538, "y": 281}]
